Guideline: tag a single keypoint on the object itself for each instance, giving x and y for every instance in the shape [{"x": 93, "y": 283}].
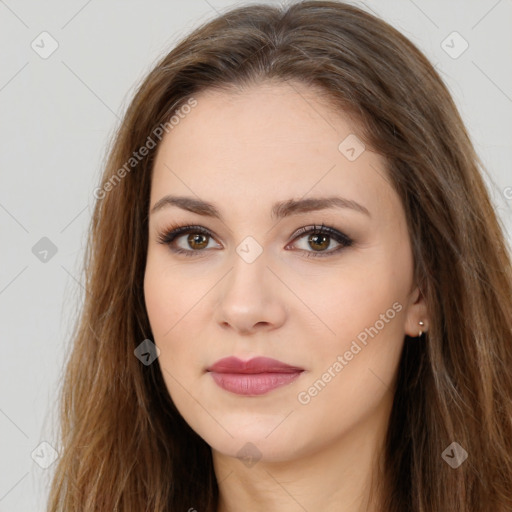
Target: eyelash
[{"x": 168, "y": 236}]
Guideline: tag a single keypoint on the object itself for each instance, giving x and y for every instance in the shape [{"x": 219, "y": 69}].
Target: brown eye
[
  {"x": 319, "y": 239},
  {"x": 197, "y": 241},
  {"x": 194, "y": 244},
  {"x": 319, "y": 242}
]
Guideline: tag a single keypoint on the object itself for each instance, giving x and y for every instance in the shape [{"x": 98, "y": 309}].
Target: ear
[{"x": 416, "y": 312}]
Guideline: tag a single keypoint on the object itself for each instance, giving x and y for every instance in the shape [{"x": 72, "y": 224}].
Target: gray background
[{"x": 57, "y": 116}]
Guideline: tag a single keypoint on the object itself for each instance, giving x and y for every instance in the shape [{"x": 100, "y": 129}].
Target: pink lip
[
  {"x": 253, "y": 377},
  {"x": 254, "y": 365}
]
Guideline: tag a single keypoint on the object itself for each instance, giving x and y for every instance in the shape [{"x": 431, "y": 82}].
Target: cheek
[
  {"x": 173, "y": 302},
  {"x": 352, "y": 370},
  {"x": 167, "y": 294},
  {"x": 159, "y": 304},
  {"x": 167, "y": 316},
  {"x": 352, "y": 298},
  {"x": 362, "y": 303}
]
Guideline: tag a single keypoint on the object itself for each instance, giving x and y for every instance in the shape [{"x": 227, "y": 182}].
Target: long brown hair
[{"x": 124, "y": 446}]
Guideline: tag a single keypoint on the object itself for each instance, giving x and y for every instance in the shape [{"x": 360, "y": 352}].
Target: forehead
[
  {"x": 285, "y": 119},
  {"x": 273, "y": 140}
]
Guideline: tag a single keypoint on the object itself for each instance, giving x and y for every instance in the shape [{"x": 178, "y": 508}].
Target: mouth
[{"x": 254, "y": 377}]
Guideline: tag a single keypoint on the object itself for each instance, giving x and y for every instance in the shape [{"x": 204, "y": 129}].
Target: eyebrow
[{"x": 279, "y": 210}]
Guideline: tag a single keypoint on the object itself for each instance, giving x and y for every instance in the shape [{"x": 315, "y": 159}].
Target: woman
[{"x": 299, "y": 295}]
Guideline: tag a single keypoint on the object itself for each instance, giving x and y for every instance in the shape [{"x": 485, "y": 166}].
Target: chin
[{"x": 251, "y": 450}]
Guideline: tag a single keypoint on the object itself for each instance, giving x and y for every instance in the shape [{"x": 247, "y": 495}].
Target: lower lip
[{"x": 252, "y": 383}]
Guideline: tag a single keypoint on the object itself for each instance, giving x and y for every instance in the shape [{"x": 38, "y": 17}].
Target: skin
[{"x": 243, "y": 150}]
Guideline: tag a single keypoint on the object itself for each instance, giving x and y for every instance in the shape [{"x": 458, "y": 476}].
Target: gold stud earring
[{"x": 421, "y": 324}]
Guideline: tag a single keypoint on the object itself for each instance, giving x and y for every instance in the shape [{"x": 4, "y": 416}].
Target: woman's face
[{"x": 335, "y": 305}]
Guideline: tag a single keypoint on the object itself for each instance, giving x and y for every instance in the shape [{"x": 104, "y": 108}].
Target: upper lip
[{"x": 254, "y": 365}]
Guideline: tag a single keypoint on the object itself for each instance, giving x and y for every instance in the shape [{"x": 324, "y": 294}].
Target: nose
[{"x": 251, "y": 298}]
